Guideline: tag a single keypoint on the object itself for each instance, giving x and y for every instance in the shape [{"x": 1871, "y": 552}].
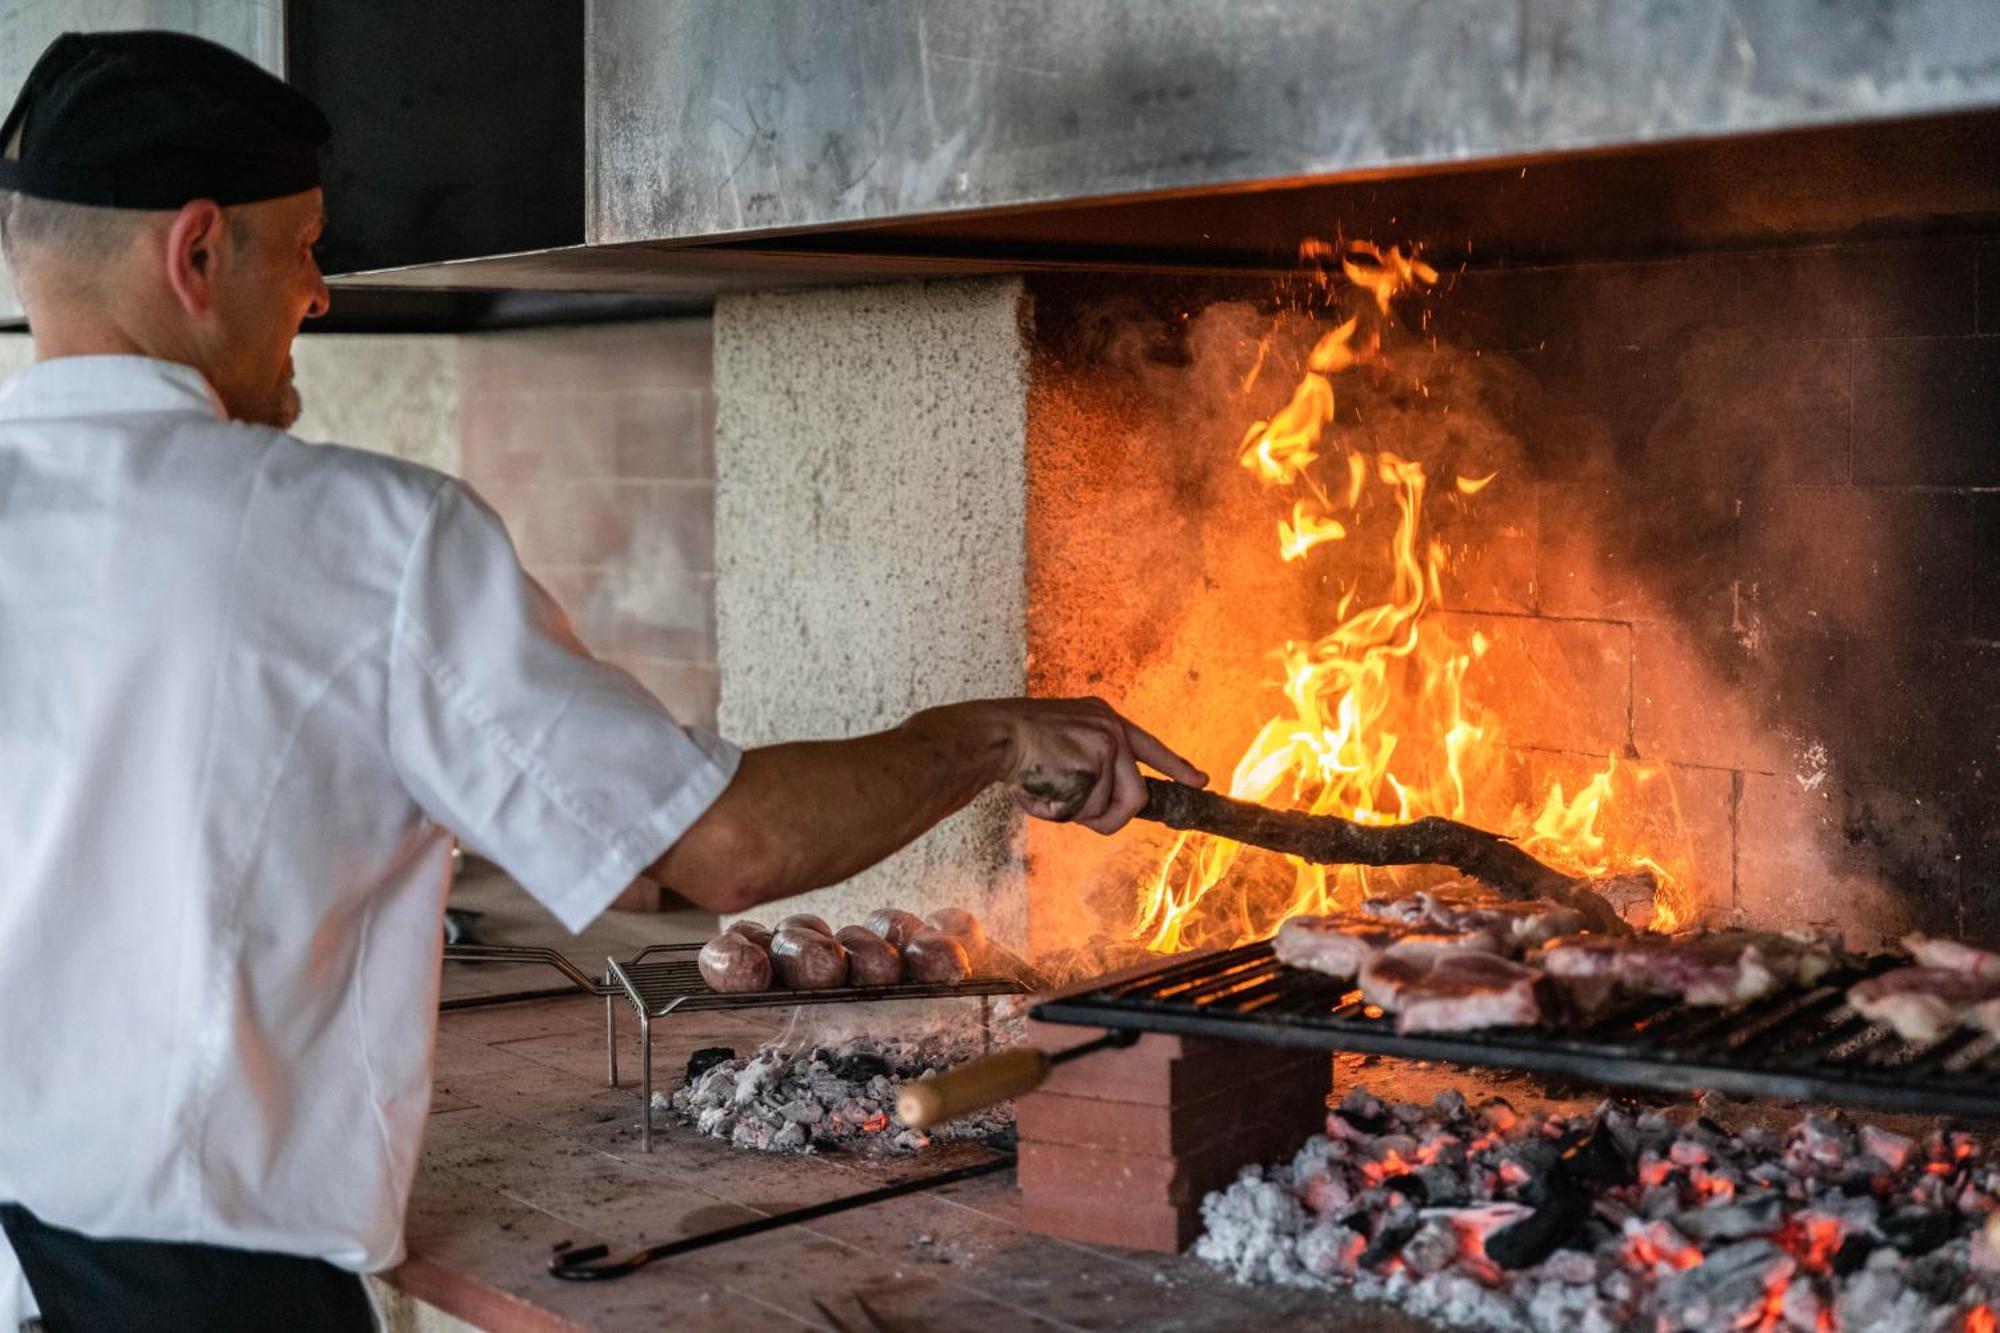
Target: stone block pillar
[{"x": 870, "y": 559}]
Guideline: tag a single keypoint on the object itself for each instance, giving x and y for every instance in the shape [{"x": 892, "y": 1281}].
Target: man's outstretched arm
[{"x": 806, "y": 814}]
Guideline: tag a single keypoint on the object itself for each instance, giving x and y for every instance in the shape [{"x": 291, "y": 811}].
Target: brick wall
[
  {"x": 595, "y": 445},
  {"x": 1745, "y": 530}
]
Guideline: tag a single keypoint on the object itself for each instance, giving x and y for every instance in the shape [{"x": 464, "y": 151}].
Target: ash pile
[
  {"x": 826, "y": 1095},
  {"x": 1484, "y": 1217}
]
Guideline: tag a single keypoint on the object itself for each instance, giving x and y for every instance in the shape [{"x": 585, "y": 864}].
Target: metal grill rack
[
  {"x": 1806, "y": 1044},
  {"x": 664, "y": 979},
  {"x": 580, "y": 982}
]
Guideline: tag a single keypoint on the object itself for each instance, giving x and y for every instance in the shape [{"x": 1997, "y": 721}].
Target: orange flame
[
  {"x": 1980, "y": 1319},
  {"x": 1379, "y": 725}
]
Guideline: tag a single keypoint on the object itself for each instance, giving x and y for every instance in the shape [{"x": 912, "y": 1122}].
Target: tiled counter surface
[{"x": 527, "y": 1146}]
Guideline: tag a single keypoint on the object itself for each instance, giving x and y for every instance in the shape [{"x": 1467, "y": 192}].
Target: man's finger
[
  {"x": 1150, "y": 751},
  {"x": 1128, "y": 796}
]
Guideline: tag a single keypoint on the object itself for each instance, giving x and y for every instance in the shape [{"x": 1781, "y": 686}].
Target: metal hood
[{"x": 732, "y": 143}]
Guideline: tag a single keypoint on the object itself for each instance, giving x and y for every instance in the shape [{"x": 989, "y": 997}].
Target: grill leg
[
  {"x": 646, "y": 1083},
  {"x": 611, "y": 1035},
  {"x": 986, "y": 1025}
]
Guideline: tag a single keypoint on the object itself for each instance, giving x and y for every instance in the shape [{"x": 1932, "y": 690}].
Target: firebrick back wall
[{"x": 1745, "y": 531}]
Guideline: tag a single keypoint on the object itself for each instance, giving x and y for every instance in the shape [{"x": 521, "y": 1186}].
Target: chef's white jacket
[{"x": 249, "y": 688}]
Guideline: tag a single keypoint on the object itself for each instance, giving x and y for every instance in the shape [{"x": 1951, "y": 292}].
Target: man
[{"x": 247, "y": 685}]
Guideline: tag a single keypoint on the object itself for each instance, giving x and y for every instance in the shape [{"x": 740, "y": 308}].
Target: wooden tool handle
[{"x": 971, "y": 1087}]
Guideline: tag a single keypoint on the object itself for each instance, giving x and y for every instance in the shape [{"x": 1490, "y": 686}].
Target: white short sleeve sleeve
[{"x": 510, "y": 734}]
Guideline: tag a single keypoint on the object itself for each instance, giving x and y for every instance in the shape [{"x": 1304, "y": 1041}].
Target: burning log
[{"x": 1331, "y": 840}]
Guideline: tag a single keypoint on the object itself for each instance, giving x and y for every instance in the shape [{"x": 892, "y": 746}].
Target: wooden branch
[{"x": 1331, "y": 840}]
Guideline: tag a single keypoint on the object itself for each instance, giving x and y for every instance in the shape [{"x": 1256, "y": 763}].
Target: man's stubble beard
[{"x": 289, "y": 405}]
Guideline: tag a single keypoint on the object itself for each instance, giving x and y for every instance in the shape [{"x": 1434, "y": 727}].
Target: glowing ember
[
  {"x": 1979, "y": 1319},
  {"x": 1387, "y": 715}
]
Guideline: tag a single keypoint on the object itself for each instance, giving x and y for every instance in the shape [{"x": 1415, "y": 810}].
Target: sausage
[
  {"x": 808, "y": 960},
  {"x": 962, "y": 926},
  {"x": 934, "y": 956},
  {"x": 871, "y": 960},
  {"x": 755, "y": 931},
  {"x": 806, "y": 921},
  {"x": 895, "y": 925},
  {"x": 733, "y": 963}
]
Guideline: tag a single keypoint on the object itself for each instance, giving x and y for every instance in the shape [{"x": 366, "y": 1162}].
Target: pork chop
[
  {"x": 1453, "y": 991},
  {"x": 1924, "y": 1003},
  {"x": 1717, "y": 968},
  {"x": 1518, "y": 925},
  {"x": 1952, "y": 955},
  {"x": 1342, "y": 944}
]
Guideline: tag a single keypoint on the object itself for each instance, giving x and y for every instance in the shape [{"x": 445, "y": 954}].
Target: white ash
[
  {"x": 835, "y": 1092},
  {"x": 1670, "y": 1220}
]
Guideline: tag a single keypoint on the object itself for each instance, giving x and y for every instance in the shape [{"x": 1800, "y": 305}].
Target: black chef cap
[{"x": 154, "y": 119}]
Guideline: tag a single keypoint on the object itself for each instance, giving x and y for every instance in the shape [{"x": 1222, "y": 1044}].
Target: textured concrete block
[
  {"x": 1859, "y": 561},
  {"x": 1913, "y": 290},
  {"x": 1927, "y": 412},
  {"x": 1480, "y": 310},
  {"x": 393, "y": 394},
  {"x": 1777, "y": 294},
  {"x": 1682, "y": 817},
  {"x": 653, "y": 355},
  {"x": 524, "y": 437},
  {"x": 665, "y": 434},
  {"x": 870, "y": 455},
  {"x": 1988, "y": 300},
  {"x": 1636, "y": 553},
  {"x": 1705, "y": 698},
  {"x": 17, "y": 350},
  {"x": 1560, "y": 684},
  {"x": 1875, "y": 862}
]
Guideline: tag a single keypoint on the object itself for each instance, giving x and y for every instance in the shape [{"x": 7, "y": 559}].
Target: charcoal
[
  {"x": 1732, "y": 1281},
  {"x": 1396, "y": 1232},
  {"x": 1534, "y": 1163},
  {"x": 1411, "y": 1186},
  {"x": 1595, "y": 1159},
  {"x": 1852, "y": 1254},
  {"x": 1433, "y": 1248},
  {"x": 1935, "y": 1278},
  {"x": 1443, "y": 1186},
  {"x": 1919, "y": 1233},
  {"x": 1552, "y": 1226},
  {"x": 706, "y": 1059},
  {"x": 1732, "y": 1221},
  {"x": 860, "y": 1066},
  {"x": 798, "y": 1100},
  {"x": 1361, "y": 1122},
  {"x": 1706, "y": 1231}
]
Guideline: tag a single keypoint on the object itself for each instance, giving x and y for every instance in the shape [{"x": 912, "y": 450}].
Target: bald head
[
  {"x": 220, "y": 289},
  {"x": 49, "y": 243}
]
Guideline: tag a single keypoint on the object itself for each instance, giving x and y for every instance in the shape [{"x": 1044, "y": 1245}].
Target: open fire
[{"x": 1389, "y": 715}]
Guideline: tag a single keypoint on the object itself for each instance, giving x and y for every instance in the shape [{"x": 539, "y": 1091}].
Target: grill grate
[
  {"x": 664, "y": 979},
  {"x": 1806, "y": 1044}
]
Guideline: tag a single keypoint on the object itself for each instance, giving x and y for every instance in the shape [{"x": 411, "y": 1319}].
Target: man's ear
[{"x": 194, "y": 240}]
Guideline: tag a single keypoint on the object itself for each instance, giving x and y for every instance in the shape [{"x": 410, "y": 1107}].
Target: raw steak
[
  {"x": 1342, "y": 945},
  {"x": 1953, "y": 955},
  {"x": 1517, "y": 925},
  {"x": 1719, "y": 968},
  {"x": 1453, "y": 991},
  {"x": 1924, "y": 1003}
]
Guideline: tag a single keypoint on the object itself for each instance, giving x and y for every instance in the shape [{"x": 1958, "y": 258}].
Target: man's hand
[
  {"x": 808, "y": 813},
  {"x": 1078, "y": 760}
]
